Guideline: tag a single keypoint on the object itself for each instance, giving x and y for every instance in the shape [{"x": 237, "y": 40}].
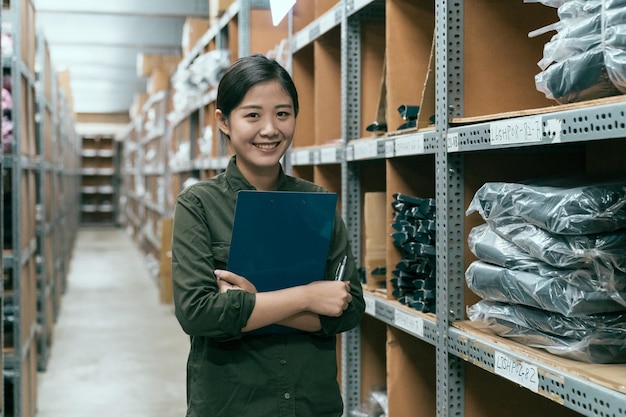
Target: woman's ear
[{"x": 222, "y": 122}]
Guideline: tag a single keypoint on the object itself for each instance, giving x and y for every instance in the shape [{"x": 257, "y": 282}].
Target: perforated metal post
[
  {"x": 449, "y": 194},
  {"x": 350, "y": 191}
]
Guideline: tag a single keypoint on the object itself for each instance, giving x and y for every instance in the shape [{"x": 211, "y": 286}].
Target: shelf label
[
  {"x": 516, "y": 131},
  {"x": 452, "y": 142},
  {"x": 328, "y": 155},
  {"x": 409, "y": 322},
  {"x": 301, "y": 157},
  {"x": 385, "y": 312},
  {"x": 370, "y": 306},
  {"x": 316, "y": 157},
  {"x": 365, "y": 149},
  {"x": 410, "y": 145},
  {"x": 390, "y": 149},
  {"x": 517, "y": 371}
]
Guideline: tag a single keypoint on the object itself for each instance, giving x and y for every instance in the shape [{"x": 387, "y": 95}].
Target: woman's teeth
[{"x": 266, "y": 145}]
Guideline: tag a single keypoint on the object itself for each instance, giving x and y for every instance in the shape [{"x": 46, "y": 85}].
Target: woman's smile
[{"x": 267, "y": 146}]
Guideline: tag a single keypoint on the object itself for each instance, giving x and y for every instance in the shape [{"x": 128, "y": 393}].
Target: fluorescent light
[{"x": 279, "y": 9}]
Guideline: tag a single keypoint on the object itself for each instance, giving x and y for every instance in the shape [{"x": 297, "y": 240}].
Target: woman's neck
[{"x": 262, "y": 179}]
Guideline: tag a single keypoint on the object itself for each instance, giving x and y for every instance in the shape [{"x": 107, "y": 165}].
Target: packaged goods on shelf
[
  {"x": 375, "y": 405},
  {"x": 568, "y": 206},
  {"x": 414, "y": 276},
  {"x": 599, "y": 338},
  {"x": 586, "y": 58},
  {"x": 552, "y": 255},
  {"x": 567, "y": 293},
  {"x": 192, "y": 83},
  {"x": 602, "y": 256}
]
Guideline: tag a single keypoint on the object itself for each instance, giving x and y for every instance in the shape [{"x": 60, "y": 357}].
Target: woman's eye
[
  {"x": 283, "y": 114},
  {"x": 253, "y": 115}
]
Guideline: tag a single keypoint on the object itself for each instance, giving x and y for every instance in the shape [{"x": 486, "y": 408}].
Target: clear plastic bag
[
  {"x": 562, "y": 206},
  {"x": 597, "y": 338},
  {"x": 603, "y": 253},
  {"x": 573, "y": 294},
  {"x": 585, "y": 59}
]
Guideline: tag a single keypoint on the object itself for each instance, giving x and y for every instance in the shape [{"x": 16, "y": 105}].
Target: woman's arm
[{"x": 297, "y": 307}]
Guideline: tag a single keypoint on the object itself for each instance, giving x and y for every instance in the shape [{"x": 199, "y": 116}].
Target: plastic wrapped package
[
  {"x": 571, "y": 294},
  {"x": 587, "y": 51},
  {"x": 578, "y": 78},
  {"x": 599, "y": 338},
  {"x": 615, "y": 55},
  {"x": 375, "y": 405},
  {"x": 562, "y": 206},
  {"x": 604, "y": 253},
  {"x": 488, "y": 246}
]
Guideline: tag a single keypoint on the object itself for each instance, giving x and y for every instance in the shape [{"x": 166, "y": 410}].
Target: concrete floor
[{"x": 116, "y": 350}]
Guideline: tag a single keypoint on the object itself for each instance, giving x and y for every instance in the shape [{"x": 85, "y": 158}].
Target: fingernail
[{"x": 218, "y": 272}]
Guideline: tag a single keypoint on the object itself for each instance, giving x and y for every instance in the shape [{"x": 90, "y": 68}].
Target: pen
[{"x": 341, "y": 269}]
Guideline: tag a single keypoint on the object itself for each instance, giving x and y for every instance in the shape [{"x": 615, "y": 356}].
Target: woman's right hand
[{"x": 328, "y": 298}]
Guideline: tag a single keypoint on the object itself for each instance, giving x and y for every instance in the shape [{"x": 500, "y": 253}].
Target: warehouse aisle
[{"x": 116, "y": 350}]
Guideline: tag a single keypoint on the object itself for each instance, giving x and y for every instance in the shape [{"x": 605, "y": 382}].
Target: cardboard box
[
  {"x": 375, "y": 234},
  {"x": 148, "y": 63},
  {"x": 193, "y": 30},
  {"x": 218, "y": 7},
  {"x": 159, "y": 81}
]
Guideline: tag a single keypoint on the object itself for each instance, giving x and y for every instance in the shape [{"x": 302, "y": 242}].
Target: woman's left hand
[{"x": 227, "y": 280}]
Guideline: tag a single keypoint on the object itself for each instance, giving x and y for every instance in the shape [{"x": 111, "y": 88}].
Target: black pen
[{"x": 341, "y": 269}]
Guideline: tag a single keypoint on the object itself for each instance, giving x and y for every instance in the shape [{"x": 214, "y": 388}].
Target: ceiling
[{"x": 98, "y": 42}]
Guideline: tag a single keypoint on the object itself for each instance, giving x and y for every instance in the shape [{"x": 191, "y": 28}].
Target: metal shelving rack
[
  {"x": 48, "y": 209},
  {"x": 457, "y": 344},
  {"x": 20, "y": 166}
]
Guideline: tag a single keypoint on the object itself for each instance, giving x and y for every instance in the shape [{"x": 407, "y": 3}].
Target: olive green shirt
[{"x": 231, "y": 373}]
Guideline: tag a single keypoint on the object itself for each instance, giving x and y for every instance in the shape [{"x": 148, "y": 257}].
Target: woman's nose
[{"x": 269, "y": 128}]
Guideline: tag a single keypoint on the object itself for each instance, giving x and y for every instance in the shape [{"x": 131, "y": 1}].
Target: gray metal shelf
[{"x": 456, "y": 345}]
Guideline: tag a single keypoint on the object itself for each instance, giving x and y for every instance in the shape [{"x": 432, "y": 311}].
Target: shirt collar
[{"x": 238, "y": 182}]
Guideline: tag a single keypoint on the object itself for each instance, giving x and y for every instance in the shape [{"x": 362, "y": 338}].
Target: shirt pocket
[{"x": 220, "y": 252}]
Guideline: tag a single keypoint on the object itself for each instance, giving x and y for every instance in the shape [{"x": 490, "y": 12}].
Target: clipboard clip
[{"x": 341, "y": 269}]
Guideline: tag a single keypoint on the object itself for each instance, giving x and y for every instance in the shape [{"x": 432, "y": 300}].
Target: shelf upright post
[
  {"x": 450, "y": 370},
  {"x": 244, "y": 28},
  {"x": 13, "y": 366},
  {"x": 350, "y": 188},
  {"x": 42, "y": 228}
]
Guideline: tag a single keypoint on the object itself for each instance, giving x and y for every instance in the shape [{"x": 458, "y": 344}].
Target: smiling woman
[{"x": 232, "y": 370}]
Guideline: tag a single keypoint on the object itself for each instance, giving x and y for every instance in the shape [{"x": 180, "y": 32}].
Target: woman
[{"x": 231, "y": 371}]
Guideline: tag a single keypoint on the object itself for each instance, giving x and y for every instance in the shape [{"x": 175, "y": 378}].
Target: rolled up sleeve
[{"x": 198, "y": 304}]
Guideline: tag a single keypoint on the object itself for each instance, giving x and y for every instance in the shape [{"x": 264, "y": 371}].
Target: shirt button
[
  {"x": 287, "y": 396},
  {"x": 283, "y": 362}
]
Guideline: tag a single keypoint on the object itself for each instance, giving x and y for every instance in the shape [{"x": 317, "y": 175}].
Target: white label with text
[
  {"x": 365, "y": 149},
  {"x": 409, "y": 322},
  {"x": 517, "y": 371},
  {"x": 516, "y": 131},
  {"x": 410, "y": 145}
]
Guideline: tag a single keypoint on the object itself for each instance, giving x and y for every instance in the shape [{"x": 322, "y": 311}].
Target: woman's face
[{"x": 261, "y": 128}]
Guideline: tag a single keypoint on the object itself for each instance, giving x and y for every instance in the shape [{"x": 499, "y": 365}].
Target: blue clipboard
[{"x": 281, "y": 239}]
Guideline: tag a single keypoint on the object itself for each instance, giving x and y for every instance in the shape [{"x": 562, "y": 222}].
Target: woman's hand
[
  {"x": 328, "y": 298},
  {"x": 227, "y": 280}
]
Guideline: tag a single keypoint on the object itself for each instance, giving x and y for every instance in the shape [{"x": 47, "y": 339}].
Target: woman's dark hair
[{"x": 247, "y": 72}]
